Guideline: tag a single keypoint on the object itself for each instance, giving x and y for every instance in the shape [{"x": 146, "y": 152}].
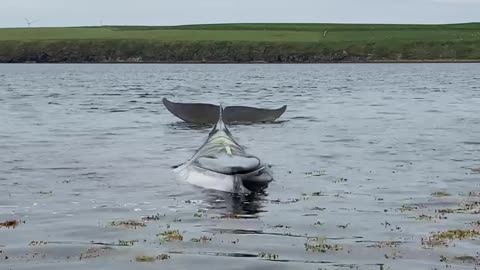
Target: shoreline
[
  {"x": 256, "y": 62},
  {"x": 244, "y": 44}
]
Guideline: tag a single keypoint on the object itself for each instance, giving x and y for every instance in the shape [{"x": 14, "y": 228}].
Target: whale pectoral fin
[{"x": 203, "y": 113}]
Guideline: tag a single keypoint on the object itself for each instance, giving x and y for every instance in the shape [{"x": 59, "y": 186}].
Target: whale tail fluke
[{"x": 204, "y": 113}]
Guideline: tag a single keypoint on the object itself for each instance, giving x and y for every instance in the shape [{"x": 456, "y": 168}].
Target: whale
[
  {"x": 204, "y": 113},
  {"x": 221, "y": 163}
]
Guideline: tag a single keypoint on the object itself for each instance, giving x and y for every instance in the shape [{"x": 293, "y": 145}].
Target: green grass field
[{"x": 242, "y": 43}]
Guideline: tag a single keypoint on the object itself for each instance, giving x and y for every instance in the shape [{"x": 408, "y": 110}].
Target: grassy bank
[{"x": 243, "y": 43}]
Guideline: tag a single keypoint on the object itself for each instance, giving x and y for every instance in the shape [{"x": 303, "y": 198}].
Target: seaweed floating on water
[
  {"x": 316, "y": 173},
  {"x": 461, "y": 259},
  {"x": 37, "y": 243},
  {"x": 10, "y": 223},
  {"x": 126, "y": 243},
  {"x": 153, "y": 217},
  {"x": 475, "y": 223},
  {"x": 319, "y": 244},
  {"x": 407, "y": 208},
  {"x": 430, "y": 218},
  {"x": 94, "y": 252},
  {"x": 440, "y": 194},
  {"x": 49, "y": 193},
  {"x": 160, "y": 257},
  {"x": 268, "y": 256},
  {"x": 200, "y": 213},
  {"x": 444, "y": 238},
  {"x": 474, "y": 207},
  {"x": 171, "y": 235},
  {"x": 340, "y": 180},
  {"x": 424, "y": 217},
  {"x": 386, "y": 244},
  {"x": 128, "y": 223},
  {"x": 277, "y": 226},
  {"x": 475, "y": 170},
  {"x": 202, "y": 239},
  {"x": 343, "y": 226}
]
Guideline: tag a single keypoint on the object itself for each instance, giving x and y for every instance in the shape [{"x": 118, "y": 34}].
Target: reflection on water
[{"x": 235, "y": 204}]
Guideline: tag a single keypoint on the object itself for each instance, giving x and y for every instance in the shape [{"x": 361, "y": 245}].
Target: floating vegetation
[
  {"x": 171, "y": 235},
  {"x": 475, "y": 170},
  {"x": 316, "y": 173},
  {"x": 94, "y": 252},
  {"x": 280, "y": 226},
  {"x": 473, "y": 207},
  {"x": 160, "y": 257},
  {"x": 386, "y": 244},
  {"x": 37, "y": 243},
  {"x": 430, "y": 218},
  {"x": 10, "y": 223},
  {"x": 475, "y": 223},
  {"x": 468, "y": 259},
  {"x": 319, "y": 244},
  {"x": 313, "y": 194},
  {"x": 200, "y": 213},
  {"x": 340, "y": 180},
  {"x": 202, "y": 239},
  {"x": 126, "y": 243},
  {"x": 461, "y": 259},
  {"x": 153, "y": 217},
  {"x": 444, "y": 238},
  {"x": 407, "y": 208},
  {"x": 268, "y": 256},
  {"x": 395, "y": 255},
  {"x": 439, "y": 194},
  {"x": 128, "y": 223},
  {"x": 445, "y": 211},
  {"x": 44, "y": 193},
  {"x": 343, "y": 226},
  {"x": 424, "y": 217}
]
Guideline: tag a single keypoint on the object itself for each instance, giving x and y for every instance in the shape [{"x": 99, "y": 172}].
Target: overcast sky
[{"x": 175, "y": 12}]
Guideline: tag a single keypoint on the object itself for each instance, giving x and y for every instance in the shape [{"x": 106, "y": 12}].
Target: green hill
[{"x": 243, "y": 43}]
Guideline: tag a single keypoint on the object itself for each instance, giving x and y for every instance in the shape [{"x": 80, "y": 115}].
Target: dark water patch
[
  {"x": 224, "y": 254},
  {"x": 471, "y": 143},
  {"x": 339, "y": 140},
  {"x": 106, "y": 94},
  {"x": 118, "y": 110}
]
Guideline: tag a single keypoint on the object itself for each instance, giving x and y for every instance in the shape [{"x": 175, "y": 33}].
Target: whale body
[{"x": 221, "y": 163}]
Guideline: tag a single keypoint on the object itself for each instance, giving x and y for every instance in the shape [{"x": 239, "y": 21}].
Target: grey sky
[{"x": 174, "y": 12}]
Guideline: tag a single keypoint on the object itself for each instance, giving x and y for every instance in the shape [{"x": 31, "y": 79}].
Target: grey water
[{"x": 358, "y": 159}]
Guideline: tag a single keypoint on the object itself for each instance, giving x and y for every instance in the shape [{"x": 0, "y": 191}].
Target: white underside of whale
[{"x": 210, "y": 179}]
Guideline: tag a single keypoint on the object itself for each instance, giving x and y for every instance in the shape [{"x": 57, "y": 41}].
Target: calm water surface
[{"x": 357, "y": 158}]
